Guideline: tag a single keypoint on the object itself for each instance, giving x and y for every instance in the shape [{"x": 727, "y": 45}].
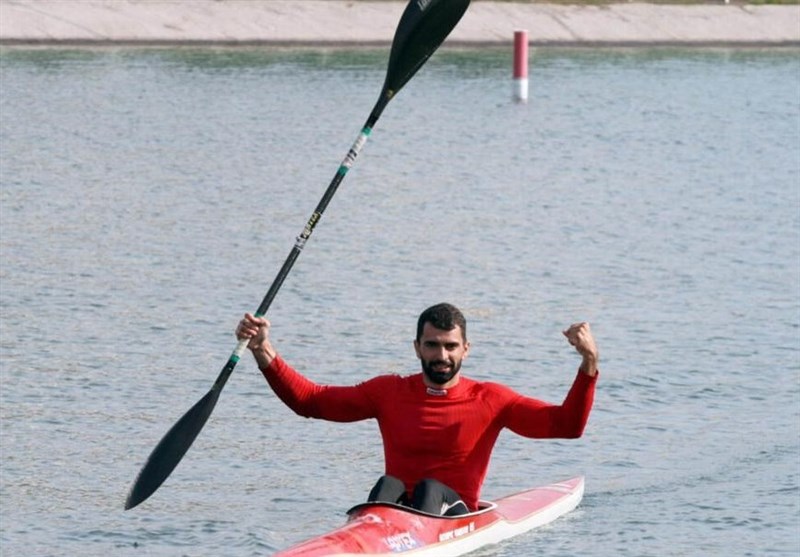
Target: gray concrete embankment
[{"x": 344, "y": 22}]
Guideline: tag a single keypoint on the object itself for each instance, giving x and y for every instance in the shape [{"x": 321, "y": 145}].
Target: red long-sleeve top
[{"x": 445, "y": 435}]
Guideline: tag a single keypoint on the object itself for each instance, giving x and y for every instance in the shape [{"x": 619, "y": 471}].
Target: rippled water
[{"x": 150, "y": 196}]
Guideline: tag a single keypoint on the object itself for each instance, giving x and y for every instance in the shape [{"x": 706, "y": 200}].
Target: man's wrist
[
  {"x": 264, "y": 354},
  {"x": 589, "y": 365}
]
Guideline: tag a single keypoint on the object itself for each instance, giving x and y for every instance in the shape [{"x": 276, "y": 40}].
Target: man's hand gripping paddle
[{"x": 422, "y": 28}]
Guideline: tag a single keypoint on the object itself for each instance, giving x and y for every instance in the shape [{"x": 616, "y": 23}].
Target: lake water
[{"x": 149, "y": 198}]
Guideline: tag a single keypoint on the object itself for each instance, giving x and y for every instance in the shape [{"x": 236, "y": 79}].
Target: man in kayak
[{"x": 438, "y": 427}]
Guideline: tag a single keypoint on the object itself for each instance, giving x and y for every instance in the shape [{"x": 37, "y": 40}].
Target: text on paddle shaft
[{"x": 303, "y": 237}]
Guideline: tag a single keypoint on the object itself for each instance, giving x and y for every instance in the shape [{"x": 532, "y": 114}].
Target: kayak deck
[{"x": 379, "y": 529}]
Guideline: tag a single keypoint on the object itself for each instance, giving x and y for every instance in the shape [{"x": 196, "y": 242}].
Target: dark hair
[{"x": 442, "y": 316}]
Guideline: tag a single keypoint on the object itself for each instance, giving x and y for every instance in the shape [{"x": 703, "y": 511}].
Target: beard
[{"x": 440, "y": 377}]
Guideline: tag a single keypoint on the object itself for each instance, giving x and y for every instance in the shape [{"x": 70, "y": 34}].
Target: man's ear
[{"x": 416, "y": 349}]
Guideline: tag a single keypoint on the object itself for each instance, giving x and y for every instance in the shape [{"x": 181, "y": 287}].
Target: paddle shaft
[
  {"x": 179, "y": 438},
  {"x": 301, "y": 240}
]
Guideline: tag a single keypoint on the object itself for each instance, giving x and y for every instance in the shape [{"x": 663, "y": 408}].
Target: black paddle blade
[
  {"x": 170, "y": 450},
  {"x": 422, "y": 28}
]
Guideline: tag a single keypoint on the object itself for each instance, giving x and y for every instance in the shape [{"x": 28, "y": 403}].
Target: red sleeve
[
  {"x": 534, "y": 418},
  {"x": 308, "y": 399}
]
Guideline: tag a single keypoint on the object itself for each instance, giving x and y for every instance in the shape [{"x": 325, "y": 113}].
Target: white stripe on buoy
[{"x": 521, "y": 65}]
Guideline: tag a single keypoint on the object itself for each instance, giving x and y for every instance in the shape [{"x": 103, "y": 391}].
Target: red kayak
[{"x": 388, "y": 529}]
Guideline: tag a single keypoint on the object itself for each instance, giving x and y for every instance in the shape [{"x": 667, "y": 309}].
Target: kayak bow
[{"x": 375, "y": 529}]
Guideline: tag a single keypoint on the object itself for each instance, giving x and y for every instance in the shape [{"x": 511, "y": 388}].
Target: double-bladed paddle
[{"x": 422, "y": 28}]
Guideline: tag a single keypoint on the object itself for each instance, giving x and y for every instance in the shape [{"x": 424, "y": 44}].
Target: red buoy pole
[{"x": 521, "y": 66}]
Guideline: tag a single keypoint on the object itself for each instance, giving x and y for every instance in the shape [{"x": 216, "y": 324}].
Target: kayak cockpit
[{"x": 483, "y": 507}]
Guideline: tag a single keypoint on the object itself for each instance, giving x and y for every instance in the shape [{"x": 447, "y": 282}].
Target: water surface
[{"x": 149, "y": 197}]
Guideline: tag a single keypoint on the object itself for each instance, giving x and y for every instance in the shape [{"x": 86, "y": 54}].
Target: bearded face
[{"x": 441, "y": 353}]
